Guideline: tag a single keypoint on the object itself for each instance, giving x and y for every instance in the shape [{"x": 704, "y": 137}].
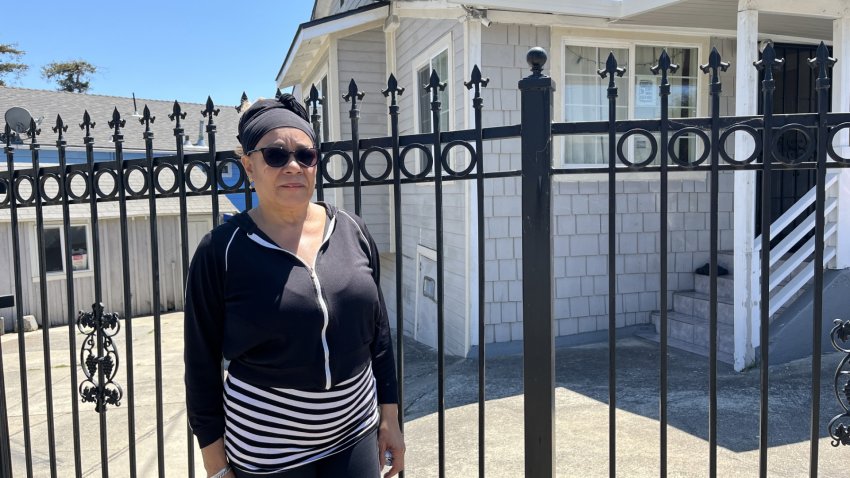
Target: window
[
  {"x": 440, "y": 63},
  {"x": 54, "y": 249},
  {"x": 585, "y": 97}
]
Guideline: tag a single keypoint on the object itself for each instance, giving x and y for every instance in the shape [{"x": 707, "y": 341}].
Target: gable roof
[{"x": 47, "y": 104}]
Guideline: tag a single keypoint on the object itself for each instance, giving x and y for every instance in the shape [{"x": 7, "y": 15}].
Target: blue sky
[{"x": 178, "y": 49}]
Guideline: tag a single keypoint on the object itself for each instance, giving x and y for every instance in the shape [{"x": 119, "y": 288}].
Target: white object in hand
[{"x": 388, "y": 458}]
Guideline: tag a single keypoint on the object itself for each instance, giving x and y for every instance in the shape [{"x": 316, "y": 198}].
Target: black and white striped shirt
[{"x": 270, "y": 429}]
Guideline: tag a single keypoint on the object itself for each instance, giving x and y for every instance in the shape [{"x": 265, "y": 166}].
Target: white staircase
[{"x": 790, "y": 274}]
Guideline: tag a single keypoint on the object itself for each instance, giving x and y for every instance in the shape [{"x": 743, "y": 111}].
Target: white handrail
[{"x": 780, "y": 295}]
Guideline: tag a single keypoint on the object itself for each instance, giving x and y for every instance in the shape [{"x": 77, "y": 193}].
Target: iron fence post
[{"x": 538, "y": 337}]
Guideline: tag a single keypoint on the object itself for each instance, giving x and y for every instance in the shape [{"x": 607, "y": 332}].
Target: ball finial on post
[{"x": 536, "y": 58}]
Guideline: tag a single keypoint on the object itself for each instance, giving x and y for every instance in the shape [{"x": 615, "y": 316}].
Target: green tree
[
  {"x": 69, "y": 75},
  {"x": 10, "y": 57}
]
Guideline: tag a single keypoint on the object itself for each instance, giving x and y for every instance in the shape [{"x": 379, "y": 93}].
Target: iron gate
[{"x": 99, "y": 351}]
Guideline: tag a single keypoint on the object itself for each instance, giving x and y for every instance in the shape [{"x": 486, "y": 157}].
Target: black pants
[{"x": 357, "y": 461}]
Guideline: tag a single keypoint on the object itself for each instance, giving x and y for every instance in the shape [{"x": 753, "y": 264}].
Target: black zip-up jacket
[{"x": 281, "y": 322}]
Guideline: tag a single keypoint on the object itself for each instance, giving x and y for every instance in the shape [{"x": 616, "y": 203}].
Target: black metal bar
[
  {"x": 768, "y": 63},
  {"x": 19, "y": 305},
  {"x": 354, "y": 95},
  {"x": 393, "y": 91},
  {"x": 209, "y": 112},
  {"x": 60, "y": 129},
  {"x": 5, "y": 446},
  {"x": 714, "y": 65},
  {"x": 313, "y": 101},
  {"x": 477, "y": 82},
  {"x": 611, "y": 71},
  {"x": 435, "y": 86},
  {"x": 176, "y": 115},
  {"x": 146, "y": 120},
  {"x": 823, "y": 62},
  {"x": 538, "y": 338},
  {"x": 87, "y": 125},
  {"x": 664, "y": 66},
  {"x": 38, "y": 192}
]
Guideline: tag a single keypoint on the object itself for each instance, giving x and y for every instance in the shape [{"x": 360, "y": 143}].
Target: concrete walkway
[{"x": 582, "y": 412}]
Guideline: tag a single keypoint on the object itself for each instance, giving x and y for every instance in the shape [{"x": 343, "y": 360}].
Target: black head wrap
[{"x": 266, "y": 115}]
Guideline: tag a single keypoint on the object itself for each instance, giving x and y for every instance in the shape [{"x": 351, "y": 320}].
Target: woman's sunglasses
[{"x": 278, "y": 157}]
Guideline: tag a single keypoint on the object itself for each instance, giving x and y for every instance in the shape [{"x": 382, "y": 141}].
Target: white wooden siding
[
  {"x": 170, "y": 265},
  {"x": 418, "y": 220},
  {"x": 363, "y": 57}
]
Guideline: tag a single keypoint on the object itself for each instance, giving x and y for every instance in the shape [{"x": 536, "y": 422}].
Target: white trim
[
  {"x": 61, "y": 275},
  {"x": 472, "y": 49},
  {"x": 840, "y": 104},
  {"x": 390, "y": 28},
  {"x": 425, "y": 57},
  {"x": 593, "y": 8},
  {"x": 831, "y": 9},
  {"x": 306, "y": 36},
  {"x": 561, "y": 38},
  {"x": 630, "y": 8},
  {"x": 335, "y": 126},
  {"x": 421, "y": 251},
  {"x": 746, "y": 301}
]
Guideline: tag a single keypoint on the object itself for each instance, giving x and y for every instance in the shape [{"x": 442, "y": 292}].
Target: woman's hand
[{"x": 390, "y": 438}]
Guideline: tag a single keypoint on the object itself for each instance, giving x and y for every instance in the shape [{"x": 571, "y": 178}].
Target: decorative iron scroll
[
  {"x": 99, "y": 358},
  {"x": 839, "y": 427}
]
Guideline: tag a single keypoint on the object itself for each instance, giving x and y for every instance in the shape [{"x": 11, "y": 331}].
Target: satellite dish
[{"x": 18, "y": 119}]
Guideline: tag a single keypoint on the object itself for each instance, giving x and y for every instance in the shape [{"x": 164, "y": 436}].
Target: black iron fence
[{"x": 708, "y": 152}]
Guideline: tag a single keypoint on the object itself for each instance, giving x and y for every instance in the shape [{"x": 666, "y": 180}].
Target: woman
[{"x": 288, "y": 292}]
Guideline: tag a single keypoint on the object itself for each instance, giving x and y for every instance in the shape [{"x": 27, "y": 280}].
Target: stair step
[
  {"x": 694, "y": 303},
  {"x": 722, "y": 356},
  {"x": 725, "y": 285}
]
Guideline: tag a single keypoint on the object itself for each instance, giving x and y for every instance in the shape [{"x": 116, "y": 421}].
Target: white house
[
  {"x": 46, "y": 105},
  {"x": 368, "y": 40}
]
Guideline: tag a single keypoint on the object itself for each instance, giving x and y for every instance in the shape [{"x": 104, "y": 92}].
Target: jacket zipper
[{"x": 318, "y": 287}]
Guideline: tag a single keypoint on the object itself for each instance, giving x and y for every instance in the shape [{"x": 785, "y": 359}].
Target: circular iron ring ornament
[
  {"x": 349, "y": 167},
  {"x": 128, "y": 187},
  {"x": 444, "y": 159},
  {"x": 831, "y": 149},
  {"x": 156, "y": 182},
  {"x": 69, "y": 190},
  {"x": 653, "y": 143},
  {"x": 4, "y": 185},
  {"x": 205, "y": 169},
  {"x": 17, "y": 190},
  {"x": 220, "y": 175},
  {"x": 721, "y": 148},
  {"x": 389, "y": 164},
  {"x": 706, "y": 150},
  {"x": 810, "y": 144},
  {"x": 429, "y": 161},
  {"x": 43, "y": 189},
  {"x": 843, "y": 372},
  {"x": 97, "y": 189}
]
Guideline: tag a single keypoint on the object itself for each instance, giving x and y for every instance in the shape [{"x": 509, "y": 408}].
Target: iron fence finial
[
  {"x": 611, "y": 70},
  {"x": 210, "y": 110},
  {"x": 536, "y": 58},
  {"x": 87, "y": 124},
  {"x": 392, "y": 89},
  {"x": 823, "y": 62},
  {"x": 277, "y": 94},
  {"x": 117, "y": 123},
  {"x": 313, "y": 99},
  {"x": 33, "y": 130},
  {"x": 177, "y": 114},
  {"x": 147, "y": 119},
  {"x": 714, "y": 66},
  {"x": 769, "y": 63},
  {"x": 60, "y": 128},
  {"x": 477, "y": 80},
  {"x": 353, "y": 92}
]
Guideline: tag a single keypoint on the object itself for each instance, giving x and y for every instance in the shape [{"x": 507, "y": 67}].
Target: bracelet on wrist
[{"x": 220, "y": 473}]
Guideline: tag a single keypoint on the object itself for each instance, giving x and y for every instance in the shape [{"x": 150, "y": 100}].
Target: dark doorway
[{"x": 795, "y": 93}]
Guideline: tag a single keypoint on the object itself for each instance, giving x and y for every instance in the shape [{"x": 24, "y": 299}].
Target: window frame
[
  {"x": 424, "y": 58},
  {"x": 59, "y": 275},
  {"x": 628, "y": 80}
]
